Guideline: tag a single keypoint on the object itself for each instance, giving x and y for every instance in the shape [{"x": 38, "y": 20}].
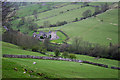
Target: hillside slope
[
  {"x": 49, "y": 68},
  {"x": 95, "y": 31}
]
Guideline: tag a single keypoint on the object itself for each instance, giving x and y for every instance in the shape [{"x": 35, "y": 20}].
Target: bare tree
[
  {"x": 46, "y": 42},
  {"x": 7, "y": 12}
]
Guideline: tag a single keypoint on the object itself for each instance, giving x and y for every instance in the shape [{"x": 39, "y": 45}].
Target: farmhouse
[{"x": 42, "y": 35}]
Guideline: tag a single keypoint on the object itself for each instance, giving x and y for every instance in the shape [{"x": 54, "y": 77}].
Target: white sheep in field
[
  {"x": 24, "y": 72},
  {"x": 34, "y": 62},
  {"x": 80, "y": 63}
]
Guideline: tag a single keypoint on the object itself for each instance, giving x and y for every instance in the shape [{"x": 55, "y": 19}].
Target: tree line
[
  {"x": 79, "y": 46},
  {"x": 23, "y": 40}
]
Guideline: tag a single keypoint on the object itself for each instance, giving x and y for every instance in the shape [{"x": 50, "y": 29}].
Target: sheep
[
  {"x": 34, "y": 62},
  {"x": 15, "y": 69}
]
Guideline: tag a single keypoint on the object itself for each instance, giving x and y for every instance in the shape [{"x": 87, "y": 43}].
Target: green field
[
  {"x": 92, "y": 59},
  {"x": 93, "y": 30},
  {"x": 99, "y": 3},
  {"x": 62, "y": 38},
  {"x": 13, "y": 49},
  {"x": 68, "y": 16},
  {"x": 53, "y": 69},
  {"x": 23, "y": 11},
  {"x": 77, "y": 13},
  {"x": 102, "y": 29}
]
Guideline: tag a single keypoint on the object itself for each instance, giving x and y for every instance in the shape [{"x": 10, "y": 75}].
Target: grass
[
  {"x": 23, "y": 11},
  {"x": 108, "y": 62},
  {"x": 95, "y": 31},
  {"x": 99, "y": 3},
  {"x": 16, "y": 50},
  {"x": 68, "y": 16},
  {"x": 54, "y": 69},
  {"x": 90, "y": 30},
  {"x": 62, "y": 37}
]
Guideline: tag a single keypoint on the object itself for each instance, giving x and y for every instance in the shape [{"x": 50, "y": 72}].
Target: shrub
[
  {"x": 57, "y": 52},
  {"x": 41, "y": 37},
  {"x": 49, "y": 36},
  {"x": 76, "y": 19},
  {"x": 65, "y": 54},
  {"x": 72, "y": 56},
  {"x": 35, "y": 48},
  {"x": 24, "y": 47}
]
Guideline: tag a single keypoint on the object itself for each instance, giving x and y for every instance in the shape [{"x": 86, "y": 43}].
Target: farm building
[{"x": 42, "y": 35}]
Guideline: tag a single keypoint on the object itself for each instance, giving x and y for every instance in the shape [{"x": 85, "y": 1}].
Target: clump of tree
[
  {"x": 57, "y": 52},
  {"x": 79, "y": 46},
  {"x": 65, "y": 54},
  {"x": 97, "y": 10},
  {"x": 76, "y": 19},
  {"x": 47, "y": 24},
  {"x": 64, "y": 47},
  {"x": 35, "y": 14},
  {"x": 100, "y": 9},
  {"x": 85, "y": 4},
  {"x": 21, "y": 22},
  {"x": 104, "y": 7},
  {"x": 33, "y": 26},
  {"x": 28, "y": 22},
  {"x": 87, "y": 13},
  {"x": 46, "y": 42},
  {"x": 23, "y": 40},
  {"x": 72, "y": 56},
  {"x": 61, "y": 23}
]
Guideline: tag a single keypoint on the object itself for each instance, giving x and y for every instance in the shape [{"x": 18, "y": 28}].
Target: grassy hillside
[
  {"x": 49, "y": 13},
  {"x": 16, "y": 50},
  {"x": 23, "y": 11},
  {"x": 68, "y": 16},
  {"x": 101, "y": 29},
  {"x": 95, "y": 31},
  {"x": 108, "y": 62},
  {"x": 92, "y": 29},
  {"x": 54, "y": 69}
]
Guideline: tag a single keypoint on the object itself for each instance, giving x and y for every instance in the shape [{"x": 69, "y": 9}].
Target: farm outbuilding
[{"x": 42, "y": 35}]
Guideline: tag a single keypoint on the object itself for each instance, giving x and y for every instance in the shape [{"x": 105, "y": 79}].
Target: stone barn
[{"x": 42, "y": 35}]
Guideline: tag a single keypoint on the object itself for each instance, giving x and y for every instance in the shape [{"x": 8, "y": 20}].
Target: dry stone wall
[{"x": 59, "y": 59}]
